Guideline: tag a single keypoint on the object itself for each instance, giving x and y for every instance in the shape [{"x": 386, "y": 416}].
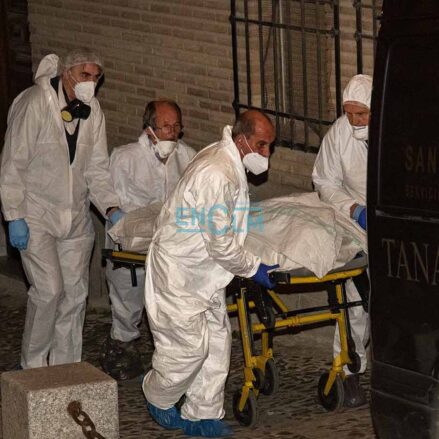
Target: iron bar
[
  {"x": 290, "y": 76},
  {"x": 319, "y": 69},
  {"x": 304, "y": 71},
  {"x": 284, "y": 26},
  {"x": 236, "y": 100},
  {"x": 247, "y": 54},
  {"x": 280, "y": 41},
  {"x": 296, "y": 116},
  {"x": 337, "y": 61},
  {"x": 275, "y": 68},
  {"x": 261, "y": 57},
  {"x": 358, "y": 35}
]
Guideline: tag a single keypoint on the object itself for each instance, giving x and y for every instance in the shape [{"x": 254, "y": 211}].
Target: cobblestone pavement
[{"x": 293, "y": 413}]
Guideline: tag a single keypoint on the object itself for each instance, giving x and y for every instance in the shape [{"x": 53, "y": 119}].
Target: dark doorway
[
  {"x": 15, "y": 55},
  {"x": 15, "y": 70}
]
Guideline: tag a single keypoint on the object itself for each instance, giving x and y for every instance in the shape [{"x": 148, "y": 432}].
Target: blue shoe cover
[
  {"x": 207, "y": 428},
  {"x": 169, "y": 418}
]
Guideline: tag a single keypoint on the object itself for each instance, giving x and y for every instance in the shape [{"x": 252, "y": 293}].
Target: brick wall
[
  {"x": 170, "y": 48},
  {"x": 175, "y": 48}
]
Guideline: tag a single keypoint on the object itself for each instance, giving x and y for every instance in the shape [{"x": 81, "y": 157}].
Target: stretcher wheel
[
  {"x": 335, "y": 398},
  {"x": 355, "y": 365},
  {"x": 259, "y": 382},
  {"x": 271, "y": 378},
  {"x": 248, "y": 416}
]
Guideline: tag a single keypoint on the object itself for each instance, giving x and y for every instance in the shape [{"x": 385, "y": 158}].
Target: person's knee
[
  {"x": 184, "y": 361},
  {"x": 50, "y": 291}
]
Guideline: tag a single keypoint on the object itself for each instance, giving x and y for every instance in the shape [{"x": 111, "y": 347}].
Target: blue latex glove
[
  {"x": 18, "y": 234},
  {"x": 360, "y": 215},
  {"x": 116, "y": 216},
  {"x": 262, "y": 276}
]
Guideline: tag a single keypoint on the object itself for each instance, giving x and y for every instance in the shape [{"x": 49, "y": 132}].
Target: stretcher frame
[{"x": 260, "y": 371}]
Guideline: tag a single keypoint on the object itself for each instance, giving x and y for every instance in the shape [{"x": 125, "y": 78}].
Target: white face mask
[
  {"x": 164, "y": 148},
  {"x": 255, "y": 162},
  {"x": 361, "y": 133},
  {"x": 84, "y": 91}
]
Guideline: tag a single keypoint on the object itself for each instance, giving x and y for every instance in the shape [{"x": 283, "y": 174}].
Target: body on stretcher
[{"x": 260, "y": 371}]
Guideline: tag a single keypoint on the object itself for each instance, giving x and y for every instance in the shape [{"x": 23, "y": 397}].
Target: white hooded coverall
[
  {"x": 339, "y": 175},
  {"x": 196, "y": 250},
  {"x": 39, "y": 184},
  {"x": 140, "y": 179}
]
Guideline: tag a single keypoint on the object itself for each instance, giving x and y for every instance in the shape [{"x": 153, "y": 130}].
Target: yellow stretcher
[{"x": 260, "y": 372}]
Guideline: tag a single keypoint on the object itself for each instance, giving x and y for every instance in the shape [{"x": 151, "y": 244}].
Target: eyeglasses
[
  {"x": 167, "y": 129},
  {"x": 86, "y": 76}
]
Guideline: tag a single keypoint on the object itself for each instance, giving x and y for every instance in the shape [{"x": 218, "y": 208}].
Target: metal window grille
[{"x": 291, "y": 57}]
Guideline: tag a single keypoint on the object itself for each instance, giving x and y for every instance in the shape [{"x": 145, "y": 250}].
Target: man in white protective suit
[
  {"x": 144, "y": 173},
  {"x": 55, "y": 161},
  {"x": 339, "y": 176},
  {"x": 196, "y": 250}
]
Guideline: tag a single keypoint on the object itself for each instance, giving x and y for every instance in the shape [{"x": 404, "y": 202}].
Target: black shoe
[
  {"x": 121, "y": 360},
  {"x": 354, "y": 394}
]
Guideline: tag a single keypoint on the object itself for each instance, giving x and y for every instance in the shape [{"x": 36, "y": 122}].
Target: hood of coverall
[
  {"x": 48, "y": 67},
  {"x": 359, "y": 89}
]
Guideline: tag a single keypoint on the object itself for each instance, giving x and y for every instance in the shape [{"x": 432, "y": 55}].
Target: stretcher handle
[
  {"x": 124, "y": 258},
  {"x": 280, "y": 277}
]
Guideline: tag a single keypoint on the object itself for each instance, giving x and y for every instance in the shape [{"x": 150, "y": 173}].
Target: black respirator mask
[{"x": 76, "y": 109}]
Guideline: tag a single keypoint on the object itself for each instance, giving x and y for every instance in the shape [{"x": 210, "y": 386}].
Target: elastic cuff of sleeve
[
  {"x": 357, "y": 212},
  {"x": 254, "y": 270}
]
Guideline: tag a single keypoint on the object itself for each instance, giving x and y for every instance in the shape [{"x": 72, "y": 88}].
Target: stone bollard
[{"x": 35, "y": 401}]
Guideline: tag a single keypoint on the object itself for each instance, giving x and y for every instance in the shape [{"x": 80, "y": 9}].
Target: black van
[{"x": 403, "y": 222}]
